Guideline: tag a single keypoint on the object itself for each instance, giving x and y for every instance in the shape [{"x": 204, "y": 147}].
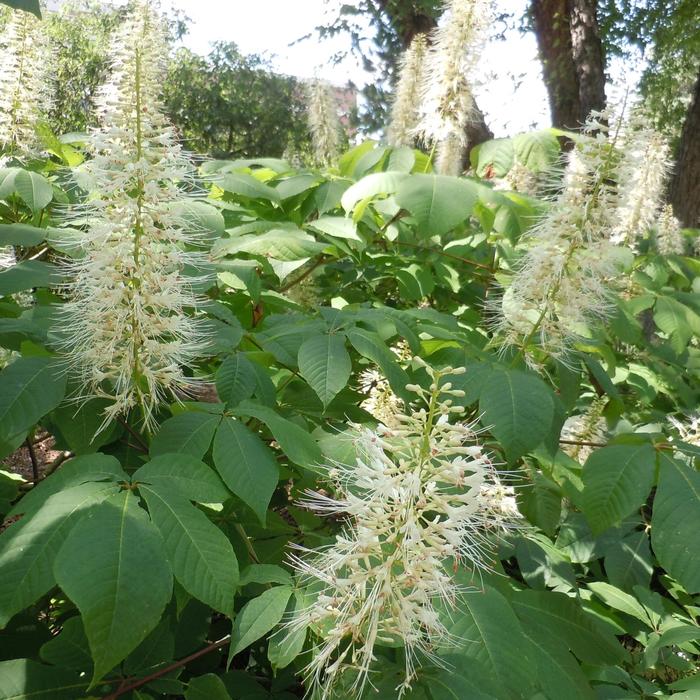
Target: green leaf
[
  {"x": 619, "y": 600},
  {"x": 493, "y": 158},
  {"x": 536, "y": 150},
  {"x": 325, "y": 364},
  {"x": 235, "y": 379},
  {"x": 29, "y": 388},
  {"x": 188, "y": 433},
  {"x": 286, "y": 644},
  {"x": 29, "y": 547},
  {"x": 257, "y": 617},
  {"x": 70, "y": 648},
  {"x": 628, "y": 561},
  {"x": 28, "y": 274},
  {"x": 558, "y": 672},
  {"x": 22, "y": 679},
  {"x": 32, "y": 188},
  {"x": 265, "y": 573},
  {"x": 113, "y": 568},
  {"x": 518, "y": 409},
  {"x": 33, "y": 6},
  {"x": 370, "y": 186},
  {"x": 247, "y": 186},
  {"x": 279, "y": 244},
  {"x": 371, "y": 346},
  {"x": 79, "y": 427},
  {"x": 437, "y": 202},
  {"x": 675, "y": 522},
  {"x": 76, "y": 471},
  {"x": 459, "y": 683},
  {"x": 21, "y": 234},
  {"x": 200, "y": 555},
  {"x": 246, "y": 465},
  {"x": 562, "y": 618},
  {"x": 337, "y": 227},
  {"x": 616, "y": 479},
  {"x": 543, "y": 565},
  {"x": 190, "y": 477},
  {"x": 678, "y": 321},
  {"x": 207, "y": 687},
  {"x": 490, "y": 635},
  {"x": 540, "y": 503},
  {"x": 295, "y": 442}
]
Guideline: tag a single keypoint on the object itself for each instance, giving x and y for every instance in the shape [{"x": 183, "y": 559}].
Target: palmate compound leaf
[
  {"x": 29, "y": 547},
  {"x": 325, "y": 364},
  {"x": 616, "y": 480},
  {"x": 200, "y": 555},
  {"x": 675, "y": 522},
  {"x": 246, "y": 465},
  {"x": 113, "y": 567}
]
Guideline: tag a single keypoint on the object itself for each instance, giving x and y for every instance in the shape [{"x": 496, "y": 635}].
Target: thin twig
[
  {"x": 135, "y": 435},
  {"x": 321, "y": 259},
  {"x": 246, "y": 540},
  {"x": 163, "y": 671},
  {"x": 466, "y": 261},
  {"x": 52, "y": 467},
  {"x": 583, "y": 443}
]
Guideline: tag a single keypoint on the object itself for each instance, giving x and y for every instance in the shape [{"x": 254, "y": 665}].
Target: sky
[{"x": 512, "y": 102}]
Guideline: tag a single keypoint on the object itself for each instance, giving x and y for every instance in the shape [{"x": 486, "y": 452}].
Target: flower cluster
[
  {"x": 422, "y": 497},
  {"x": 447, "y": 104},
  {"x": 129, "y": 333},
  {"x": 688, "y": 431},
  {"x": 587, "y": 427},
  {"x": 324, "y": 124},
  {"x": 669, "y": 239},
  {"x": 563, "y": 280},
  {"x": 641, "y": 178},
  {"x": 404, "y": 111},
  {"x": 25, "y": 82}
]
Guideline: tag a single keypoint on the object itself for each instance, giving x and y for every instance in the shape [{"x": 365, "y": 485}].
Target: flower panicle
[
  {"x": 669, "y": 239},
  {"x": 447, "y": 105},
  {"x": 563, "y": 280},
  {"x": 587, "y": 427},
  {"x": 130, "y": 331},
  {"x": 642, "y": 175},
  {"x": 423, "y": 495},
  {"x": 26, "y": 87},
  {"x": 324, "y": 124},
  {"x": 405, "y": 106}
]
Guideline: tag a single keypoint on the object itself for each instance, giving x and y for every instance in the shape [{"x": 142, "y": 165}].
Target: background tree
[{"x": 230, "y": 104}]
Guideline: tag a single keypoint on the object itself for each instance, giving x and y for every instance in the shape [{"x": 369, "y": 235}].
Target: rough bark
[
  {"x": 588, "y": 56},
  {"x": 685, "y": 184},
  {"x": 551, "y": 19}
]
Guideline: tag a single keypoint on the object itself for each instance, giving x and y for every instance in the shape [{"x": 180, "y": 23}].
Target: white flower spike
[
  {"x": 324, "y": 123},
  {"x": 129, "y": 335},
  {"x": 422, "y": 497}
]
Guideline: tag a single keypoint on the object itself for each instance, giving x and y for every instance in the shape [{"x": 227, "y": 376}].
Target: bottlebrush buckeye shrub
[{"x": 318, "y": 504}]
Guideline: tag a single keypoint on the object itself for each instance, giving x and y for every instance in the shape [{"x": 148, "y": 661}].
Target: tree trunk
[
  {"x": 551, "y": 19},
  {"x": 573, "y": 62},
  {"x": 685, "y": 184},
  {"x": 588, "y": 56}
]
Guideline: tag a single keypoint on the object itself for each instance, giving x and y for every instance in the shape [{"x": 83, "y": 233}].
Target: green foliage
[{"x": 144, "y": 548}]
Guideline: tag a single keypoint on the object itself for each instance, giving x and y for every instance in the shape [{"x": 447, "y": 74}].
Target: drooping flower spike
[
  {"x": 26, "y": 88},
  {"x": 324, "y": 124},
  {"x": 422, "y": 497},
  {"x": 129, "y": 333}
]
